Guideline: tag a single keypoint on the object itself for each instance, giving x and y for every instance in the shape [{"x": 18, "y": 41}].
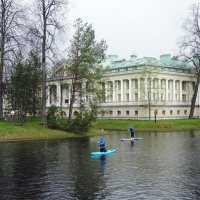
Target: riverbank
[
  {"x": 33, "y": 130},
  {"x": 160, "y": 125}
]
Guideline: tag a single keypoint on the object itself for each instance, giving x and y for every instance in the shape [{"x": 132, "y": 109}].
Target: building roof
[{"x": 165, "y": 61}]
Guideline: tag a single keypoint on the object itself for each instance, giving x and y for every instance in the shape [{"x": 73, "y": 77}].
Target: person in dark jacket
[
  {"x": 102, "y": 147},
  {"x": 131, "y": 129}
]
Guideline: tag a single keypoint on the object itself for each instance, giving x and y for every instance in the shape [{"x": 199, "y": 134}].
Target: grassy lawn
[
  {"x": 33, "y": 130},
  {"x": 160, "y": 125}
]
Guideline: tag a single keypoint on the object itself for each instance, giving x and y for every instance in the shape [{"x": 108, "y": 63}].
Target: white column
[
  {"x": 48, "y": 96},
  {"x": 58, "y": 94},
  {"x": 130, "y": 90},
  {"x": 180, "y": 91},
  {"x": 145, "y": 89},
  {"x": 106, "y": 91},
  {"x": 138, "y": 89},
  {"x": 151, "y": 89},
  {"x": 122, "y": 90},
  {"x": 84, "y": 91},
  {"x": 159, "y": 90},
  {"x": 113, "y": 91},
  {"x": 69, "y": 93},
  {"x": 173, "y": 97},
  {"x": 166, "y": 90}
]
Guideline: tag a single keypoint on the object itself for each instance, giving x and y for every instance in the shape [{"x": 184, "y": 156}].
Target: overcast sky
[{"x": 147, "y": 28}]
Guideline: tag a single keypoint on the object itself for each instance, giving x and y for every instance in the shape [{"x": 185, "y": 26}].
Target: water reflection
[
  {"x": 102, "y": 161},
  {"x": 162, "y": 166}
]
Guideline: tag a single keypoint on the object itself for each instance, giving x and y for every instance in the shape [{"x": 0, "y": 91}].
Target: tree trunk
[
  {"x": 43, "y": 115},
  {"x": 2, "y": 60},
  {"x": 149, "y": 111},
  {"x": 1, "y": 91},
  {"x": 61, "y": 98},
  {"x": 194, "y": 97},
  {"x": 71, "y": 104}
]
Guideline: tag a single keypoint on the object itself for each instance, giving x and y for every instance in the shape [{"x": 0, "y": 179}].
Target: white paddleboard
[{"x": 131, "y": 139}]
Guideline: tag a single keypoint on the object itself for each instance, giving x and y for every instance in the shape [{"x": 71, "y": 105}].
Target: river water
[{"x": 164, "y": 165}]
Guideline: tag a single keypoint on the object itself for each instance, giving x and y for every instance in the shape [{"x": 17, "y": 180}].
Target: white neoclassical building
[{"x": 135, "y": 88}]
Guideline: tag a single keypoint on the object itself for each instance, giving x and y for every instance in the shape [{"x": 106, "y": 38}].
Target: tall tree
[
  {"x": 34, "y": 72},
  {"x": 85, "y": 53},
  {"x": 189, "y": 47},
  {"x": 24, "y": 85},
  {"x": 47, "y": 16},
  {"x": 149, "y": 87},
  {"x": 11, "y": 24}
]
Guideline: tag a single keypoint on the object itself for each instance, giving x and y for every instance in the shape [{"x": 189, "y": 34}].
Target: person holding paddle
[
  {"x": 102, "y": 147},
  {"x": 131, "y": 129}
]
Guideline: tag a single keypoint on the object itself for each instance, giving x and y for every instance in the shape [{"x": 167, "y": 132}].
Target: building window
[
  {"x": 163, "y": 112},
  {"x": 111, "y": 98},
  {"x": 136, "y": 112},
  {"x": 136, "y": 84},
  {"x": 136, "y": 96},
  {"x": 162, "y": 84},
  {"x": 178, "y": 112},
  {"x": 127, "y": 112},
  {"x": 118, "y": 112},
  {"x": 185, "y": 112},
  {"x": 154, "y": 84},
  {"x": 127, "y": 84},
  {"x": 127, "y": 97},
  {"x": 119, "y": 85},
  {"x": 53, "y": 94},
  {"x": 184, "y": 97},
  {"x": 119, "y": 97},
  {"x": 169, "y": 85},
  {"x": 171, "y": 112},
  {"x": 184, "y": 85},
  {"x": 162, "y": 97},
  {"x": 154, "y": 96},
  {"x": 111, "y": 112},
  {"x": 102, "y": 113}
]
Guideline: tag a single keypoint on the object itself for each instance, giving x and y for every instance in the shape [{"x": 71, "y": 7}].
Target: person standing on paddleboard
[
  {"x": 102, "y": 147},
  {"x": 131, "y": 129}
]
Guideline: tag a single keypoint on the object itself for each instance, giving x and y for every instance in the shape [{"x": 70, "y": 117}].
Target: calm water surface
[{"x": 162, "y": 166}]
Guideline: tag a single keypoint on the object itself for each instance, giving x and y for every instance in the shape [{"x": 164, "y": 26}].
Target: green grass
[
  {"x": 160, "y": 125},
  {"x": 33, "y": 130}
]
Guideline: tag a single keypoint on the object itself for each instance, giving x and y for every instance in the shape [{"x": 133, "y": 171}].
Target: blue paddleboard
[{"x": 98, "y": 153}]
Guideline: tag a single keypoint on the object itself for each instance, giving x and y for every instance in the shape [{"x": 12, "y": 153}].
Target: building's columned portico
[{"x": 164, "y": 86}]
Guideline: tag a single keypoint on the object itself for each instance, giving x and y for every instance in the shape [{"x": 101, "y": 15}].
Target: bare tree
[
  {"x": 149, "y": 87},
  {"x": 11, "y": 25},
  {"x": 189, "y": 47},
  {"x": 47, "y": 16}
]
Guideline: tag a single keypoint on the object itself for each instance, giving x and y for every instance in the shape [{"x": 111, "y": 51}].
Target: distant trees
[
  {"x": 24, "y": 91},
  {"x": 40, "y": 33},
  {"x": 11, "y": 25},
  {"x": 84, "y": 56},
  {"x": 189, "y": 47}
]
